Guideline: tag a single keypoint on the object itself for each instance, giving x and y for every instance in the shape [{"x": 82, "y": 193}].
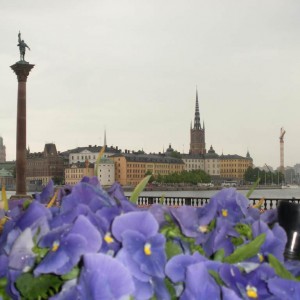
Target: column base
[{"x": 19, "y": 197}]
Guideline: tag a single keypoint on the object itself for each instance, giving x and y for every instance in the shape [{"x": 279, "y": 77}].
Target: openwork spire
[{"x": 197, "y": 124}]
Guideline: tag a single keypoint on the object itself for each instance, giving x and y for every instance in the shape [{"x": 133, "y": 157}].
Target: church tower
[{"x": 197, "y": 144}]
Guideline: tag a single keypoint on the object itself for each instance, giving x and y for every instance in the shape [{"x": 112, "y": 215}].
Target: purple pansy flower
[
  {"x": 193, "y": 221},
  {"x": 103, "y": 277},
  {"x": 284, "y": 289},
  {"x": 47, "y": 193},
  {"x": 86, "y": 193},
  {"x": 21, "y": 256},
  {"x": 252, "y": 285},
  {"x": 67, "y": 244},
  {"x": 275, "y": 242},
  {"x": 231, "y": 205}
]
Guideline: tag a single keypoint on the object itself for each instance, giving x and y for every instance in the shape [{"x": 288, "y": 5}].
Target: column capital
[{"x": 22, "y": 70}]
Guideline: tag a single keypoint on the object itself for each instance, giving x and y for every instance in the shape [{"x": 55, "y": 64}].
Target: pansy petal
[
  {"x": 142, "y": 222},
  {"x": 103, "y": 277}
]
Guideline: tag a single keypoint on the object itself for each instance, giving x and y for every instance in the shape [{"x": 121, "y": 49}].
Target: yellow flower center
[
  {"x": 147, "y": 249},
  {"x": 203, "y": 228},
  {"x": 260, "y": 257},
  {"x": 108, "y": 239},
  {"x": 55, "y": 246},
  {"x": 251, "y": 292},
  {"x": 224, "y": 212}
]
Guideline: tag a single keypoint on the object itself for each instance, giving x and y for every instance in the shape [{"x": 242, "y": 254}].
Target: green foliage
[
  {"x": 72, "y": 274},
  {"x": 41, "y": 287},
  {"x": 244, "y": 230},
  {"x": 216, "y": 277},
  {"x": 253, "y": 188},
  {"x": 219, "y": 255},
  {"x": 172, "y": 249},
  {"x": 253, "y": 174},
  {"x": 246, "y": 251},
  {"x": 3, "y": 282},
  {"x": 138, "y": 189},
  {"x": 280, "y": 270},
  {"x": 190, "y": 177}
]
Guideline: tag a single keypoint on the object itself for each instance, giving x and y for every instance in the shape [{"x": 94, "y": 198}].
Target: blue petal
[
  {"x": 142, "y": 222},
  {"x": 103, "y": 277}
]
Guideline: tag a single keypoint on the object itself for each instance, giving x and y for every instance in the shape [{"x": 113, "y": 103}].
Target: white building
[
  {"x": 106, "y": 172},
  {"x": 90, "y": 153},
  {"x": 212, "y": 163},
  {"x": 193, "y": 162}
]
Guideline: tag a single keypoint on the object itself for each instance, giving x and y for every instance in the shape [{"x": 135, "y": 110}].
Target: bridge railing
[{"x": 144, "y": 201}]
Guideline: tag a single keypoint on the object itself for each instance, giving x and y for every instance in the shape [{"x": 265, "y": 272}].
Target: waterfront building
[
  {"x": 80, "y": 154},
  {"x": 106, "y": 172},
  {"x": 197, "y": 133},
  {"x": 233, "y": 167},
  {"x": 76, "y": 171},
  {"x": 7, "y": 178},
  {"x": 209, "y": 162},
  {"x": 131, "y": 168},
  {"x": 2, "y": 151},
  {"x": 43, "y": 166},
  {"x": 193, "y": 162},
  {"x": 212, "y": 164}
]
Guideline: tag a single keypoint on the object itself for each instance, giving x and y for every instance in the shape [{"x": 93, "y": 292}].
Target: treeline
[
  {"x": 266, "y": 177},
  {"x": 191, "y": 177}
]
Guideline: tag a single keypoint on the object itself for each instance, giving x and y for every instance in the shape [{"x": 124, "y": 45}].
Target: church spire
[{"x": 197, "y": 124}]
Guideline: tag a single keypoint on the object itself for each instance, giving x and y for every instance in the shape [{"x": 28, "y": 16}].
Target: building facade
[
  {"x": 130, "y": 168},
  {"x": 197, "y": 133},
  {"x": 233, "y": 167},
  {"x": 76, "y": 171},
  {"x": 2, "y": 151},
  {"x": 43, "y": 166},
  {"x": 193, "y": 162},
  {"x": 212, "y": 164},
  {"x": 90, "y": 153},
  {"x": 106, "y": 172}
]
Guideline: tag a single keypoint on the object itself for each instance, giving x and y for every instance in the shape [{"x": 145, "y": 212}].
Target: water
[{"x": 259, "y": 193}]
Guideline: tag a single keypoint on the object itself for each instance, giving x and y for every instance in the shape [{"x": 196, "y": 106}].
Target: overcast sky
[{"x": 132, "y": 67}]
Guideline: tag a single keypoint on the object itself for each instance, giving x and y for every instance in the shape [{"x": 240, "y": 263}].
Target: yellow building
[
  {"x": 233, "y": 167},
  {"x": 131, "y": 168},
  {"x": 75, "y": 172}
]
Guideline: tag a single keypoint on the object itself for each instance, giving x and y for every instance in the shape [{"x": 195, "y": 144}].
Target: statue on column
[{"x": 22, "y": 47}]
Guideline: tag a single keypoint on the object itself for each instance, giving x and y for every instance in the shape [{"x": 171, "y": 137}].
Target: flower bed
[{"x": 99, "y": 245}]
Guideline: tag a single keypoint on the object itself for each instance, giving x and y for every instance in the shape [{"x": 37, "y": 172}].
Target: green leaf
[
  {"x": 244, "y": 230},
  {"x": 216, "y": 277},
  {"x": 3, "y": 283},
  {"x": 219, "y": 255},
  {"x": 280, "y": 270},
  {"x": 42, "y": 287},
  {"x": 171, "y": 288},
  {"x": 253, "y": 188},
  {"x": 138, "y": 189},
  {"x": 246, "y": 251},
  {"x": 211, "y": 225},
  {"x": 237, "y": 241},
  {"x": 162, "y": 198},
  {"x": 172, "y": 249},
  {"x": 72, "y": 274}
]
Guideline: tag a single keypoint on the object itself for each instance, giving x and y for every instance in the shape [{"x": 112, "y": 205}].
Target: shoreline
[{"x": 163, "y": 188}]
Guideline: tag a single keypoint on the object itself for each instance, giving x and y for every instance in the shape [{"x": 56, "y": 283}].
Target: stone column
[{"x": 22, "y": 70}]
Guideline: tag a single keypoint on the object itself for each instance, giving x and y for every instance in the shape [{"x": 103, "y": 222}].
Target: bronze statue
[{"x": 22, "y": 47}]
